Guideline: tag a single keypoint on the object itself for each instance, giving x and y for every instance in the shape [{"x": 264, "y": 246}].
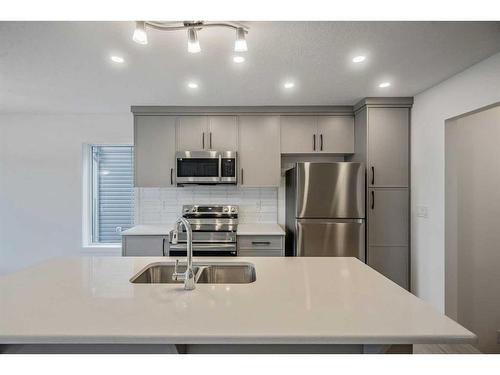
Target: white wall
[
  {"x": 474, "y": 88},
  {"x": 41, "y": 182}
]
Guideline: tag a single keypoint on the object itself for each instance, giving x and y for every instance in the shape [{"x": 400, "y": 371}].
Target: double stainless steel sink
[{"x": 217, "y": 273}]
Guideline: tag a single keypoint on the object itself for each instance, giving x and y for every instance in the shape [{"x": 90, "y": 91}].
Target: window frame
[{"x": 90, "y": 215}]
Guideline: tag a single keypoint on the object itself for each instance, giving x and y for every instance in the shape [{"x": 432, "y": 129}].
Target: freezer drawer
[{"x": 330, "y": 238}]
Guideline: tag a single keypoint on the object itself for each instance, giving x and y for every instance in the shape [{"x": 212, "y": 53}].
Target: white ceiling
[{"x": 65, "y": 66}]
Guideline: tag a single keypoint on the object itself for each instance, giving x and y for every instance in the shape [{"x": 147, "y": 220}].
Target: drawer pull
[{"x": 261, "y": 242}]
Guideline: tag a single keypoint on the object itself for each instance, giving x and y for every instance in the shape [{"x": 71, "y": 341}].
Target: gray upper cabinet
[
  {"x": 154, "y": 151},
  {"x": 192, "y": 133},
  {"x": 311, "y": 134},
  {"x": 388, "y": 147},
  {"x": 298, "y": 134},
  {"x": 207, "y": 133},
  {"x": 223, "y": 133},
  {"x": 259, "y": 151},
  {"x": 336, "y": 134}
]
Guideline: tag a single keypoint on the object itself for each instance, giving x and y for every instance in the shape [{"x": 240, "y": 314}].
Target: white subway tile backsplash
[{"x": 164, "y": 205}]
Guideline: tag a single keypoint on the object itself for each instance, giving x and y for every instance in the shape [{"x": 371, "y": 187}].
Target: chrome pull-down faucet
[{"x": 188, "y": 277}]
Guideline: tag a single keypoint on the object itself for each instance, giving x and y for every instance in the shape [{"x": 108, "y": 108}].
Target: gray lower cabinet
[
  {"x": 145, "y": 245},
  {"x": 259, "y": 151},
  {"x": 391, "y": 261},
  {"x": 388, "y": 216},
  {"x": 154, "y": 151},
  {"x": 261, "y": 246}
]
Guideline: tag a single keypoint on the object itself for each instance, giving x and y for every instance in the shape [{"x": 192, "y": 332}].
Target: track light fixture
[
  {"x": 140, "y": 35},
  {"x": 193, "y": 43},
  {"x": 240, "y": 45}
]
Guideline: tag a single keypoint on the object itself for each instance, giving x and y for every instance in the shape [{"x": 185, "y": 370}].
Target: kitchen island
[{"x": 294, "y": 305}]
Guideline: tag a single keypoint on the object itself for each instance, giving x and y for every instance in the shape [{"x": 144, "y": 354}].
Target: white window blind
[{"x": 112, "y": 192}]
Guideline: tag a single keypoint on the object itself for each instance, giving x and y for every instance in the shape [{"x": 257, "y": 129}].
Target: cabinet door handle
[
  {"x": 373, "y": 175},
  {"x": 261, "y": 242},
  {"x": 210, "y": 140},
  {"x": 171, "y": 176},
  {"x": 321, "y": 142},
  {"x": 314, "y": 142},
  {"x": 241, "y": 176},
  {"x": 203, "y": 140},
  {"x": 373, "y": 200}
]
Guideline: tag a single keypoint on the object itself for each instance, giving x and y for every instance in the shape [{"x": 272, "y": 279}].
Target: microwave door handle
[{"x": 220, "y": 167}]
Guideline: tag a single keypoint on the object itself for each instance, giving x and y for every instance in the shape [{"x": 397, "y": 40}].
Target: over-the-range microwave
[{"x": 206, "y": 167}]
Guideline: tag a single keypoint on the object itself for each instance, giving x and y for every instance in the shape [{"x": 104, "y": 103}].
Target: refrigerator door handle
[
  {"x": 373, "y": 175},
  {"x": 373, "y": 200}
]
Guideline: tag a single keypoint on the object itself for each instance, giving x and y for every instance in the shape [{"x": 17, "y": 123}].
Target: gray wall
[{"x": 472, "y": 214}]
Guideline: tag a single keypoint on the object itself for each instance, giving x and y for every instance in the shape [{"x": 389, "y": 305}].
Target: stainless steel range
[{"x": 214, "y": 231}]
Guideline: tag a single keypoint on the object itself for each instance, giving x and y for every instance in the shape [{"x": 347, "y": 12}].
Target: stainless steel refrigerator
[{"x": 325, "y": 210}]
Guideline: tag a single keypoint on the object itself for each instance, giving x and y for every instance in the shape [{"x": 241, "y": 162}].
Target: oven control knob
[
  {"x": 193, "y": 209},
  {"x": 186, "y": 210},
  {"x": 233, "y": 209},
  {"x": 226, "y": 209}
]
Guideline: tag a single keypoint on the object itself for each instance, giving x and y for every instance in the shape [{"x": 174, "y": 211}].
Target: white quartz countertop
[
  {"x": 148, "y": 230},
  {"x": 260, "y": 229},
  {"x": 292, "y": 301},
  {"x": 263, "y": 229}
]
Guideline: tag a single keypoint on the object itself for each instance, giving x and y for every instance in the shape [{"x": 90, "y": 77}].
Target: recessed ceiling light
[
  {"x": 358, "y": 59},
  {"x": 192, "y": 85},
  {"x": 384, "y": 84},
  {"x": 117, "y": 59},
  {"x": 238, "y": 59},
  {"x": 288, "y": 85}
]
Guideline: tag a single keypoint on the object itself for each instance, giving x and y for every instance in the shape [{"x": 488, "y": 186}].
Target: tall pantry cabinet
[{"x": 382, "y": 142}]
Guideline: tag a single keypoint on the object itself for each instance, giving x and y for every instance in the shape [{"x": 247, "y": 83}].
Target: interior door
[
  {"x": 298, "y": 134},
  {"x": 192, "y": 133},
  {"x": 223, "y": 133},
  {"x": 330, "y": 238}
]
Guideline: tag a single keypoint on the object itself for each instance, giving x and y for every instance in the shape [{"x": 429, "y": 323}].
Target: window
[{"x": 111, "y": 185}]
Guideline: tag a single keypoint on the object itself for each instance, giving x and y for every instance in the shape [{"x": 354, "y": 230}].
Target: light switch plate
[{"x": 422, "y": 211}]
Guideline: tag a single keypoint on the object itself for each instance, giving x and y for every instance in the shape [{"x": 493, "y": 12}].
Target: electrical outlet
[{"x": 422, "y": 211}]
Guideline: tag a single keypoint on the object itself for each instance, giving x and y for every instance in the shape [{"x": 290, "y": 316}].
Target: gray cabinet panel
[
  {"x": 388, "y": 215},
  {"x": 144, "y": 245},
  {"x": 391, "y": 261},
  {"x": 259, "y": 151},
  {"x": 298, "y": 134},
  {"x": 154, "y": 151},
  {"x": 223, "y": 133},
  {"x": 192, "y": 133},
  {"x": 388, "y": 146},
  {"x": 335, "y": 134}
]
